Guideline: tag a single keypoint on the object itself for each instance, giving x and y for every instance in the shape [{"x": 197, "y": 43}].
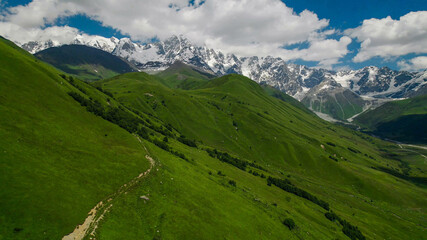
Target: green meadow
[{"x": 66, "y": 145}]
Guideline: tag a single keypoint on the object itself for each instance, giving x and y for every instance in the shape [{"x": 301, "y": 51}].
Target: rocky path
[{"x": 96, "y": 214}]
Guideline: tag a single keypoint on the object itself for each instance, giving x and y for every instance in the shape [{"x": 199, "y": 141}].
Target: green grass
[
  {"x": 57, "y": 163},
  {"x": 85, "y": 62},
  {"x": 57, "y": 160},
  {"x": 283, "y": 138},
  {"x": 182, "y": 76},
  {"x": 402, "y": 120},
  {"x": 89, "y": 72},
  {"x": 340, "y": 105}
]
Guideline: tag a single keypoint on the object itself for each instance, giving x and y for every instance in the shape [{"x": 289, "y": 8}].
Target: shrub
[
  {"x": 225, "y": 157},
  {"x": 142, "y": 132},
  {"x": 234, "y": 123},
  {"x": 333, "y": 158},
  {"x": 353, "y": 150},
  {"x": 331, "y": 216},
  {"x": 351, "y": 231},
  {"x": 188, "y": 142},
  {"x": 232, "y": 183},
  {"x": 161, "y": 144},
  {"x": 287, "y": 186},
  {"x": 178, "y": 154},
  {"x": 289, "y": 223}
]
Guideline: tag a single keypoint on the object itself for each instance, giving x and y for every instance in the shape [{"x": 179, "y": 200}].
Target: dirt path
[{"x": 96, "y": 214}]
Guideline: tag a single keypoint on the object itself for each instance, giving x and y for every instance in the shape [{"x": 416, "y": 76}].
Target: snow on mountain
[
  {"x": 106, "y": 44},
  {"x": 34, "y": 47},
  {"x": 295, "y": 80},
  {"x": 381, "y": 82}
]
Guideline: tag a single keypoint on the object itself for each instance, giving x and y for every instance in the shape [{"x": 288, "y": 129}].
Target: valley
[
  {"x": 233, "y": 159},
  {"x": 344, "y": 93}
]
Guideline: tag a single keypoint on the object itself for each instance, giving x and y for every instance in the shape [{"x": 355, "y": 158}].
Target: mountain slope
[
  {"x": 57, "y": 160},
  {"x": 231, "y": 161},
  {"x": 85, "y": 62},
  {"x": 402, "y": 120},
  {"x": 292, "y": 79},
  {"x": 235, "y": 115},
  {"x": 295, "y": 80},
  {"x": 330, "y": 98},
  {"x": 180, "y": 75}
]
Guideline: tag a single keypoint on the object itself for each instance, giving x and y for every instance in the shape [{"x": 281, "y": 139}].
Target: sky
[{"x": 332, "y": 34}]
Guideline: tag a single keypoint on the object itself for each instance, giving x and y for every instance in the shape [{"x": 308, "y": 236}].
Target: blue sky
[
  {"x": 350, "y": 14},
  {"x": 335, "y": 15}
]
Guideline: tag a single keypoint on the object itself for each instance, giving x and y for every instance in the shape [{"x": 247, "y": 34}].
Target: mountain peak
[{"x": 295, "y": 80}]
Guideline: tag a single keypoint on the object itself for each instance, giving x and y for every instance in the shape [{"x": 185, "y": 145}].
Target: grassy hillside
[
  {"x": 402, "y": 120},
  {"x": 353, "y": 172},
  {"x": 340, "y": 104},
  {"x": 85, "y": 62},
  {"x": 57, "y": 160},
  {"x": 231, "y": 162},
  {"x": 182, "y": 76}
]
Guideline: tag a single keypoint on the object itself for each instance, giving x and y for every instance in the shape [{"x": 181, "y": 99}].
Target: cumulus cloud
[
  {"x": 56, "y": 34},
  {"x": 388, "y": 38},
  {"x": 414, "y": 64},
  {"x": 244, "y": 27}
]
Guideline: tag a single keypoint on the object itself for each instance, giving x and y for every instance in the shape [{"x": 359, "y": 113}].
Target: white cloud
[
  {"x": 387, "y": 37},
  {"x": 244, "y": 27},
  {"x": 56, "y": 33},
  {"x": 414, "y": 64}
]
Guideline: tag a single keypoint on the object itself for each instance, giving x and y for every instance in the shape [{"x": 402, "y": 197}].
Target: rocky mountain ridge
[{"x": 295, "y": 80}]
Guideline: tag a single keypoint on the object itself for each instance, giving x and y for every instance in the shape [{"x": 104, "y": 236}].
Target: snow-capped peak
[{"x": 295, "y": 80}]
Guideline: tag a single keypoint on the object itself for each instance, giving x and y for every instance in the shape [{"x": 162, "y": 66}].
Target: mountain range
[
  {"x": 182, "y": 154},
  {"x": 321, "y": 90}
]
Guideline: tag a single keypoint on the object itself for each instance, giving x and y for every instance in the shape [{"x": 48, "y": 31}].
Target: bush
[
  {"x": 333, "y": 158},
  {"x": 115, "y": 115},
  {"x": 256, "y": 166},
  {"x": 353, "y": 150},
  {"x": 142, "y": 132},
  {"x": 225, "y": 157},
  {"x": 188, "y": 142},
  {"x": 351, "y": 231},
  {"x": 234, "y": 123},
  {"x": 287, "y": 186},
  {"x": 289, "y": 223},
  {"x": 161, "y": 144},
  {"x": 232, "y": 183},
  {"x": 178, "y": 154},
  {"x": 331, "y": 216}
]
